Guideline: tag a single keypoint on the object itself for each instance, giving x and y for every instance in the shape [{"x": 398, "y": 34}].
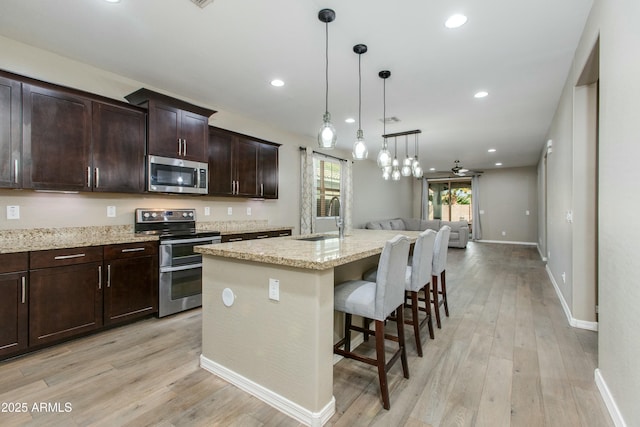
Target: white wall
[{"x": 615, "y": 22}]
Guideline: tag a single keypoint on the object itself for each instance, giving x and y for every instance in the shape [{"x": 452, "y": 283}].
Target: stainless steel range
[{"x": 180, "y": 279}]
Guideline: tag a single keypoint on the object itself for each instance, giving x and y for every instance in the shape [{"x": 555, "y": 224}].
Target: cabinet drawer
[
  {"x": 14, "y": 262},
  {"x": 61, "y": 257},
  {"x": 130, "y": 250},
  {"x": 280, "y": 233}
]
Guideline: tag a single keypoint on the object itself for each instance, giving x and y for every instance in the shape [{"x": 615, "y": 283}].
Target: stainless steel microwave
[{"x": 167, "y": 175}]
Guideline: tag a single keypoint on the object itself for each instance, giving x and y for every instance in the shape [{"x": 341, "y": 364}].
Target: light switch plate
[
  {"x": 111, "y": 211},
  {"x": 229, "y": 210},
  {"x": 248, "y": 211},
  {"x": 207, "y": 211},
  {"x": 274, "y": 289}
]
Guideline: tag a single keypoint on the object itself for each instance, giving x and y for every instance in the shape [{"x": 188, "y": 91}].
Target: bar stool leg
[
  {"x": 416, "y": 321},
  {"x": 347, "y": 332},
  {"x": 427, "y": 300},
  {"x": 382, "y": 370},
  {"x": 436, "y": 299},
  {"x": 443, "y": 284},
  {"x": 401, "y": 342}
]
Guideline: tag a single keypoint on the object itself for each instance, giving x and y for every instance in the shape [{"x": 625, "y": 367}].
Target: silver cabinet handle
[
  {"x": 262, "y": 189},
  {"x": 69, "y": 256},
  {"x": 184, "y": 145},
  {"x": 233, "y": 187},
  {"x": 97, "y": 177},
  {"x": 15, "y": 170},
  {"x": 179, "y": 146},
  {"x": 236, "y": 239},
  {"x": 89, "y": 176},
  {"x": 24, "y": 289},
  {"x": 133, "y": 250},
  {"x": 99, "y": 277},
  {"x": 264, "y": 236},
  {"x": 108, "y": 275},
  {"x": 284, "y": 234}
]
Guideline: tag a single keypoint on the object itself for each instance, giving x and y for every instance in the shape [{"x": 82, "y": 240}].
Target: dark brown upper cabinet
[
  {"x": 10, "y": 133},
  {"x": 119, "y": 140},
  {"x": 73, "y": 141},
  {"x": 177, "y": 129},
  {"x": 56, "y": 139},
  {"x": 242, "y": 166}
]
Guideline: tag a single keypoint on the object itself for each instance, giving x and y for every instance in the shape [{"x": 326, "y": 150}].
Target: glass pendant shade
[
  {"x": 386, "y": 173},
  {"x": 395, "y": 173},
  {"x": 406, "y": 167},
  {"x": 384, "y": 157},
  {"x": 360, "y": 150},
  {"x": 417, "y": 171},
  {"x": 327, "y": 135}
]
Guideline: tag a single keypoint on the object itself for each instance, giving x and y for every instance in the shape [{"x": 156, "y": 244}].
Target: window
[
  {"x": 327, "y": 177},
  {"x": 450, "y": 200}
]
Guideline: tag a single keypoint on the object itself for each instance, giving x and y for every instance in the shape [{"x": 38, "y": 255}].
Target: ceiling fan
[{"x": 461, "y": 171}]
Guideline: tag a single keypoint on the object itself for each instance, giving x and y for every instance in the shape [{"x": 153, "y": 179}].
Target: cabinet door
[
  {"x": 64, "y": 302},
  {"x": 164, "y": 125},
  {"x": 10, "y": 133},
  {"x": 56, "y": 139},
  {"x": 221, "y": 170},
  {"x": 194, "y": 131},
  {"x": 246, "y": 162},
  {"x": 268, "y": 171},
  {"x": 119, "y": 139},
  {"x": 131, "y": 289},
  {"x": 13, "y": 313}
]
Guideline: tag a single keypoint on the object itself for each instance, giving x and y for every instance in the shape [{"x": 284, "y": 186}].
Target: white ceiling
[{"x": 224, "y": 56}]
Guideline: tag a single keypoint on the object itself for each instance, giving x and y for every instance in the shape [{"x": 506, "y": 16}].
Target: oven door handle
[
  {"x": 201, "y": 240},
  {"x": 180, "y": 268}
]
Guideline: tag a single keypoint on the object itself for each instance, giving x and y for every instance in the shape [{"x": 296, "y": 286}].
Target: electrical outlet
[
  {"x": 248, "y": 211},
  {"x": 481, "y": 211},
  {"x": 504, "y": 233},
  {"x": 207, "y": 211},
  {"x": 229, "y": 210},
  {"x": 527, "y": 212},
  {"x": 13, "y": 212},
  {"x": 274, "y": 289},
  {"x": 111, "y": 211}
]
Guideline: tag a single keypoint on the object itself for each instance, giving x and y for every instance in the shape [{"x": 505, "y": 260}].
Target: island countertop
[{"x": 315, "y": 255}]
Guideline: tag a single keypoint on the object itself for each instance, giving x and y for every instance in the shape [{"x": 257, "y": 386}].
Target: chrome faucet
[{"x": 339, "y": 219}]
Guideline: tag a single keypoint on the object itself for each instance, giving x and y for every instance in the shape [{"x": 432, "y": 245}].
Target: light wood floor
[{"x": 506, "y": 356}]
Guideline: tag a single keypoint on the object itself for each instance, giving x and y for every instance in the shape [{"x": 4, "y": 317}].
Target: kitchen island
[{"x": 268, "y": 318}]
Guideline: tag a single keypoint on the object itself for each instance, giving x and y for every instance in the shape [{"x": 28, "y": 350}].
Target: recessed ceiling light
[
  {"x": 455, "y": 21},
  {"x": 498, "y": 164},
  {"x": 350, "y": 120},
  {"x": 491, "y": 150},
  {"x": 112, "y": 1},
  {"x": 277, "y": 83},
  {"x": 481, "y": 94},
  {"x": 432, "y": 169}
]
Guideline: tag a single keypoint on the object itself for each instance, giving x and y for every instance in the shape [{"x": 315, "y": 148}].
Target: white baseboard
[
  {"x": 542, "y": 257},
  {"x": 616, "y": 416},
  {"x": 292, "y": 409},
  {"x": 576, "y": 323},
  {"x": 507, "y": 242}
]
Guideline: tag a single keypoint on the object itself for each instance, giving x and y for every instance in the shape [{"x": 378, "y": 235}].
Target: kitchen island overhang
[{"x": 281, "y": 351}]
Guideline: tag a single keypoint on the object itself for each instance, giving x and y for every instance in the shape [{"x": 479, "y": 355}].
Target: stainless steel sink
[{"x": 317, "y": 238}]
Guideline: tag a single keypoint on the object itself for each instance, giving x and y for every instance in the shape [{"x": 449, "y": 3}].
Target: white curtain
[
  {"x": 346, "y": 189},
  {"x": 307, "y": 192},
  {"x": 424, "y": 205},
  {"x": 476, "y": 233}
]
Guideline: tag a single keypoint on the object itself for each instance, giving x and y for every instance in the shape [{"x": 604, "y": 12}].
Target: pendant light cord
[
  {"x": 326, "y": 69},
  {"x": 359, "y": 92}
]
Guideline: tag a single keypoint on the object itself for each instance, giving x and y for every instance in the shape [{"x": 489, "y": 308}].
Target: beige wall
[
  {"x": 615, "y": 22},
  {"x": 505, "y": 197}
]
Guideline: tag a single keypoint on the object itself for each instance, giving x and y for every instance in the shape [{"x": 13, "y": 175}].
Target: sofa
[{"x": 459, "y": 229}]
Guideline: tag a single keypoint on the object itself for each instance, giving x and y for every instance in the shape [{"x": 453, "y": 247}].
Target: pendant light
[
  {"x": 360, "y": 150},
  {"x": 416, "y": 169},
  {"x": 327, "y": 135},
  {"x": 384, "y": 156},
  {"x": 395, "y": 164},
  {"x": 406, "y": 163}
]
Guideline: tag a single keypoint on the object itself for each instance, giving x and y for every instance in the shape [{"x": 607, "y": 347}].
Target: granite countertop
[
  {"x": 37, "y": 239},
  {"x": 314, "y": 255},
  {"x": 238, "y": 227}
]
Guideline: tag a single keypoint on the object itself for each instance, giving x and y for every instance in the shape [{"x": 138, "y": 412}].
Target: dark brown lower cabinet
[
  {"x": 64, "y": 302},
  {"x": 131, "y": 288},
  {"x": 13, "y": 303}
]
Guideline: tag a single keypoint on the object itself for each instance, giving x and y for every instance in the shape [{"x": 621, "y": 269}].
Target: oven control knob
[
  {"x": 153, "y": 215},
  {"x": 146, "y": 214},
  {"x": 191, "y": 214},
  {"x": 184, "y": 214}
]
